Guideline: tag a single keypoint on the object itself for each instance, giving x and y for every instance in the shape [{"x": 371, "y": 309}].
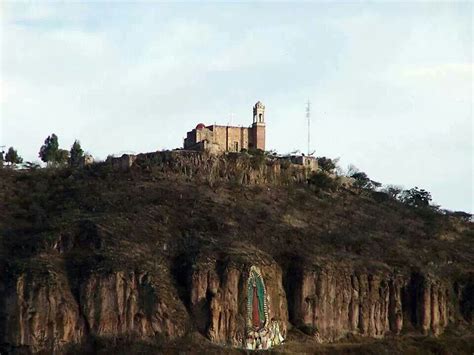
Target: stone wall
[
  {"x": 258, "y": 132},
  {"x": 122, "y": 163},
  {"x": 227, "y": 136}
]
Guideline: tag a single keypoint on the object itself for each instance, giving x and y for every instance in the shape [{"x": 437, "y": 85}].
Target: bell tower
[
  {"x": 258, "y": 126},
  {"x": 259, "y": 113}
]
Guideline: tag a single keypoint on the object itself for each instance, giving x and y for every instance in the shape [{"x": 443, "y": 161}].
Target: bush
[
  {"x": 416, "y": 197},
  {"x": 326, "y": 164},
  {"x": 464, "y": 216},
  {"x": 380, "y": 196},
  {"x": 258, "y": 160},
  {"x": 393, "y": 191},
  {"x": 256, "y": 152},
  {"x": 362, "y": 181},
  {"x": 322, "y": 181}
]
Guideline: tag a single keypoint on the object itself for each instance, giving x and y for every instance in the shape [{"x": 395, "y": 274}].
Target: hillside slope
[{"x": 158, "y": 256}]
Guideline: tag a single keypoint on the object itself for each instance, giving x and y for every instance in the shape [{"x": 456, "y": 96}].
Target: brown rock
[
  {"x": 219, "y": 299},
  {"x": 41, "y": 313},
  {"x": 126, "y": 304}
]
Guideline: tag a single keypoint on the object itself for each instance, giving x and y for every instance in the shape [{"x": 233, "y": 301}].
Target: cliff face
[
  {"x": 39, "y": 315},
  {"x": 327, "y": 303},
  {"x": 126, "y": 304},
  {"x": 42, "y": 314},
  {"x": 228, "y": 248},
  {"x": 332, "y": 303},
  {"x": 219, "y": 300}
]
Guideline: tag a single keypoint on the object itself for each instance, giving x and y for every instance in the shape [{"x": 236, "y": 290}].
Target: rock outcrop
[
  {"x": 331, "y": 302},
  {"x": 173, "y": 244},
  {"x": 42, "y": 313},
  {"x": 39, "y": 312},
  {"x": 126, "y": 304},
  {"x": 239, "y": 168},
  {"x": 219, "y": 297}
]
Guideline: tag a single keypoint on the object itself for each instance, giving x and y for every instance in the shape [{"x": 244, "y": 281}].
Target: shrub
[
  {"x": 322, "y": 181},
  {"x": 326, "y": 164},
  {"x": 393, "y": 191},
  {"x": 416, "y": 197},
  {"x": 362, "y": 181},
  {"x": 464, "y": 216}
]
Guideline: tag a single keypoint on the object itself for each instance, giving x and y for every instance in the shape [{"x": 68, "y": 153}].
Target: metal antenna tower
[{"x": 308, "y": 117}]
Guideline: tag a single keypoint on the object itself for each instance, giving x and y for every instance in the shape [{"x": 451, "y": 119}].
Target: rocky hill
[{"x": 162, "y": 257}]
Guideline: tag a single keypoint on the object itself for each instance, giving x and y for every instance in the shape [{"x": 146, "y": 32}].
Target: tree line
[
  {"x": 50, "y": 153},
  {"x": 322, "y": 180}
]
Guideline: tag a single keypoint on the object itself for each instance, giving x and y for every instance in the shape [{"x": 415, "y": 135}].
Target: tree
[
  {"x": 49, "y": 150},
  {"x": 362, "y": 181},
  {"x": 62, "y": 157},
  {"x": 352, "y": 169},
  {"x": 12, "y": 157},
  {"x": 326, "y": 164},
  {"x": 76, "y": 153},
  {"x": 393, "y": 191},
  {"x": 416, "y": 197}
]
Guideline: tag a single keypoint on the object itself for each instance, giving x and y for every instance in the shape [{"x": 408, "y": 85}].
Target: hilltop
[{"x": 155, "y": 256}]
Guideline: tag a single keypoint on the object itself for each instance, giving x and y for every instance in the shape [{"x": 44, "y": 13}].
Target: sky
[{"x": 390, "y": 83}]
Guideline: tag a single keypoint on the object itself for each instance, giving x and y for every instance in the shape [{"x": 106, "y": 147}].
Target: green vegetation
[
  {"x": 327, "y": 165},
  {"x": 170, "y": 207},
  {"x": 12, "y": 157},
  {"x": 76, "y": 153},
  {"x": 49, "y": 149},
  {"x": 416, "y": 197},
  {"x": 321, "y": 181},
  {"x": 50, "y": 152}
]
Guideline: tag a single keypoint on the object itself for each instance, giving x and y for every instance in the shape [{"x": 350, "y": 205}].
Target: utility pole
[{"x": 308, "y": 117}]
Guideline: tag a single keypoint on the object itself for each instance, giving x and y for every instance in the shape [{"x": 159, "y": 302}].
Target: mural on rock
[{"x": 261, "y": 332}]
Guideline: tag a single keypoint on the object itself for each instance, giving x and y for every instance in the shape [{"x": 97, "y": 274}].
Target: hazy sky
[{"x": 391, "y": 83}]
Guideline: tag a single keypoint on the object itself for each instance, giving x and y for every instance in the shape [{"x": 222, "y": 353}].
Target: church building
[{"x": 216, "y": 138}]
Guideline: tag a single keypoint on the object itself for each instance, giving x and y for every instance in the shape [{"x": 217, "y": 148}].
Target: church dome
[{"x": 200, "y": 126}]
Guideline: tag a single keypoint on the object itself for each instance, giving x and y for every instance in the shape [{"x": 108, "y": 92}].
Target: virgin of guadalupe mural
[
  {"x": 261, "y": 333},
  {"x": 256, "y": 300}
]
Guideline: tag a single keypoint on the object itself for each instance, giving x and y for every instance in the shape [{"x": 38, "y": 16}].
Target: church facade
[{"x": 217, "y": 138}]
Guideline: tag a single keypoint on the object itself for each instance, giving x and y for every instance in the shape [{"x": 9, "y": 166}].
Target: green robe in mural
[{"x": 256, "y": 294}]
